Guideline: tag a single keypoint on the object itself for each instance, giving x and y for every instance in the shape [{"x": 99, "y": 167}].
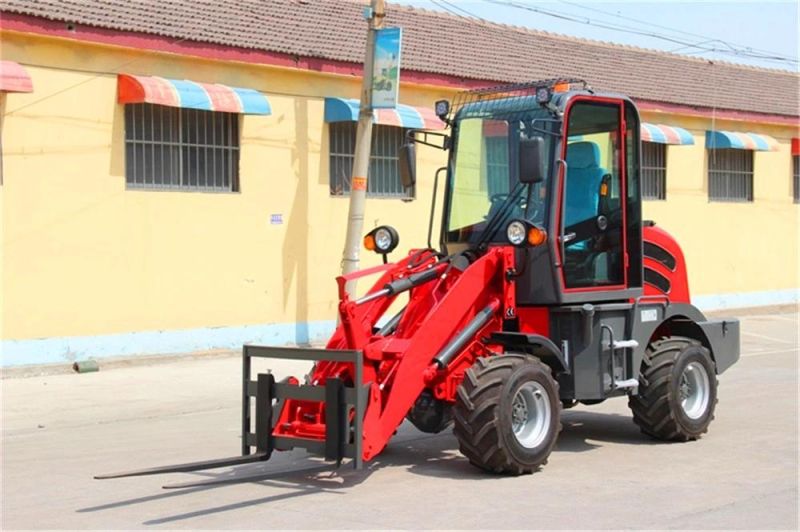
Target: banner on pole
[{"x": 386, "y": 68}]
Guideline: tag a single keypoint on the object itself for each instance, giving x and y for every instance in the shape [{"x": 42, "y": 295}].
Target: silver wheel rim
[
  {"x": 530, "y": 415},
  {"x": 694, "y": 390}
]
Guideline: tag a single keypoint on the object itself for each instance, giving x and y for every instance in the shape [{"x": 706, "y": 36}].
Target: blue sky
[{"x": 742, "y": 29}]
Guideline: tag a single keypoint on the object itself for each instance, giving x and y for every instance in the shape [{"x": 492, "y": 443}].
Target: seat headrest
[{"x": 583, "y": 155}]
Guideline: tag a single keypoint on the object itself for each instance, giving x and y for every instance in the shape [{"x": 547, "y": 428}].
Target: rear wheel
[
  {"x": 507, "y": 414},
  {"x": 677, "y": 390}
]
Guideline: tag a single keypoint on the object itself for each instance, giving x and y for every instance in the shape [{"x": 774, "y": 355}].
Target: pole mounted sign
[{"x": 386, "y": 68}]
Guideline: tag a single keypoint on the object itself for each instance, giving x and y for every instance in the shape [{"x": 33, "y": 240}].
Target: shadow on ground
[{"x": 427, "y": 455}]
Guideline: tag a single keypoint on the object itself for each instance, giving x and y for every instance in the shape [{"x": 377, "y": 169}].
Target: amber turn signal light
[
  {"x": 536, "y": 236},
  {"x": 369, "y": 242}
]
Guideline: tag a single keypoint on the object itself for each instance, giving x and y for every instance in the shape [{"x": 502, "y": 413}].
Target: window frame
[
  {"x": 651, "y": 169},
  {"x": 181, "y": 142},
  {"x": 384, "y": 157},
  {"x": 720, "y": 167}
]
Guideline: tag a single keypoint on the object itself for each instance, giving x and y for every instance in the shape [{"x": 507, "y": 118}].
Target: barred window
[
  {"x": 384, "y": 171},
  {"x": 654, "y": 171},
  {"x": 730, "y": 175},
  {"x": 181, "y": 149},
  {"x": 497, "y": 164},
  {"x": 796, "y": 177}
]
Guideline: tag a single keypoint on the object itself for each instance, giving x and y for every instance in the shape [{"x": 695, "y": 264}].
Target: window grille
[
  {"x": 384, "y": 171},
  {"x": 730, "y": 175},
  {"x": 181, "y": 149},
  {"x": 654, "y": 171},
  {"x": 497, "y": 164},
  {"x": 796, "y": 178}
]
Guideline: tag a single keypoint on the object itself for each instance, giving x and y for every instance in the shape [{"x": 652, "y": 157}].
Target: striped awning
[
  {"x": 191, "y": 95},
  {"x": 666, "y": 134},
  {"x": 740, "y": 141},
  {"x": 14, "y": 78},
  {"x": 346, "y": 110}
]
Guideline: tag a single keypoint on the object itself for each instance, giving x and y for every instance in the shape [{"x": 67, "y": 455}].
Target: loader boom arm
[{"x": 453, "y": 307}]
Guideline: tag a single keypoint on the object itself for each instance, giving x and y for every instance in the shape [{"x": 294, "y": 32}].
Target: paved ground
[{"x": 58, "y": 430}]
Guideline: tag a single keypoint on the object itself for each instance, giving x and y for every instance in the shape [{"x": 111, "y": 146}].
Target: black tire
[
  {"x": 657, "y": 408},
  {"x": 483, "y": 413}
]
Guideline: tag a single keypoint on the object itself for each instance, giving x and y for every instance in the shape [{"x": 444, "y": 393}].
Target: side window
[
  {"x": 654, "y": 171},
  {"x": 593, "y": 202},
  {"x": 730, "y": 175},
  {"x": 181, "y": 149},
  {"x": 384, "y": 167}
]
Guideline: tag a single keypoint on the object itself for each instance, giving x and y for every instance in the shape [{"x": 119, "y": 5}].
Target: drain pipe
[{"x": 457, "y": 344}]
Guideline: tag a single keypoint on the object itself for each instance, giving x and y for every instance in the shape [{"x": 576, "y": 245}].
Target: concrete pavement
[{"x": 59, "y": 430}]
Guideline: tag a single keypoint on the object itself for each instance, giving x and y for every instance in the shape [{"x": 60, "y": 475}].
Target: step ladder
[{"x": 615, "y": 346}]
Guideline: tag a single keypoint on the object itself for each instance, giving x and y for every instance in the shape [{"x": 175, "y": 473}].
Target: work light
[
  {"x": 382, "y": 239},
  {"x": 442, "y": 108},
  {"x": 543, "y": 95}
]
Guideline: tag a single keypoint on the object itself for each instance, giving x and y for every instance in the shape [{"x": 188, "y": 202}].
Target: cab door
[{"x": 592, "y": 236}]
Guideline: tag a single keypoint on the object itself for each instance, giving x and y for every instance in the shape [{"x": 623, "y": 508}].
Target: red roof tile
[{"x": 438, "y": 43}]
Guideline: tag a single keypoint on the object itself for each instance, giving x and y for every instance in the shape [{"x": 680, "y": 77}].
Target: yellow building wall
[
  {"x": 732, "y": 249},
  {"x": 84, "y": 256},
  {"x": 90, "y": 268}
]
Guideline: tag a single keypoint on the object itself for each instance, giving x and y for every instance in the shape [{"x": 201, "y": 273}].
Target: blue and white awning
[
  {"x": 740, "y": 141},
  {"x": 346, "y": 110},
  {"x": 666, "y": 134}
]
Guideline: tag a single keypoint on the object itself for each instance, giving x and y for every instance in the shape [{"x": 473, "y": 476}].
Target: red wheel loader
[{"x": 546, "y": 289}]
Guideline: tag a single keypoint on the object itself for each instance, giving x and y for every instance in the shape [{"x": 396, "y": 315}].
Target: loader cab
[{"x": 586, "y": 200}]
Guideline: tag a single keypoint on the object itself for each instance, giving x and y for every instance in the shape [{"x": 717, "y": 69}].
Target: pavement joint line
[
  {"x": 776, "y": 352},
  {"x": 770, "y": 338}
]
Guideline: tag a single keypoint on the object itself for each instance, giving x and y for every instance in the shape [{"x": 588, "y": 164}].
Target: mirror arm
[{"x": 411, "y": 137}]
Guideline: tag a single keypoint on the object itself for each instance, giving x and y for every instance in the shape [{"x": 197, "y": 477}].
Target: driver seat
[{"x": 584, "y": 176}]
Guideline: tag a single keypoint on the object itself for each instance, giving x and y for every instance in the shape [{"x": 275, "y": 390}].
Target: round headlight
[
  {"x": 382, "y": 239},
  {"x": 516, "y": 233}
]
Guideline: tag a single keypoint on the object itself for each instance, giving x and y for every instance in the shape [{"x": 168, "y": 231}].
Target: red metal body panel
[{"x": 678, "y": 277}]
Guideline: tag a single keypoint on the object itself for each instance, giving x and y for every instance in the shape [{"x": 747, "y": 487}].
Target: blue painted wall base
[{"x": 70, "y": 349}]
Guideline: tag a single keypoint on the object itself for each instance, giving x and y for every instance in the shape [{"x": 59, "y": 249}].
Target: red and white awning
[
  {"x": 191, "y": 95},
  {"x": 14, "y": 78}
]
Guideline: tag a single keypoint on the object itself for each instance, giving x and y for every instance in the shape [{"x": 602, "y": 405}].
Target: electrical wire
[
  {"x": 733, "y": 46},
  {"x": 626, "y": 29}
]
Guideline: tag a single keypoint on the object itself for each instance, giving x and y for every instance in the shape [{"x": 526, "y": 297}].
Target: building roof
[{"x": 438, "y": 43}]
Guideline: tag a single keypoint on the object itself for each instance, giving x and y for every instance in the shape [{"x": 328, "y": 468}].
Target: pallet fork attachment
[{"x": 269, "y": 397}]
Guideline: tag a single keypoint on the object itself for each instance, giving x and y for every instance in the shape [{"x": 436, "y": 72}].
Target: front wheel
[
  {"x": 677, "y": 390},
  {"x": 507, "y": 414}
]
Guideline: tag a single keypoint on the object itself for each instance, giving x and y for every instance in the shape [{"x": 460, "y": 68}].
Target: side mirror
[
  {"x": 408, "y": 164},
  {"x": 532, "y": 160}
]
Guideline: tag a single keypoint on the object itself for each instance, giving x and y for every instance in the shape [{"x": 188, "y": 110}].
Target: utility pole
[{"x": 358, "y": 181}]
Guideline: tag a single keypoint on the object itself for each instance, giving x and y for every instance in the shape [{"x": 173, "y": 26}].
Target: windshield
[{"x": 484, "y": 174}]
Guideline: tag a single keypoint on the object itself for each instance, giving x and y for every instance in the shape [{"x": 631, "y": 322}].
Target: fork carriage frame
[{"x": 339, "y": 399}]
